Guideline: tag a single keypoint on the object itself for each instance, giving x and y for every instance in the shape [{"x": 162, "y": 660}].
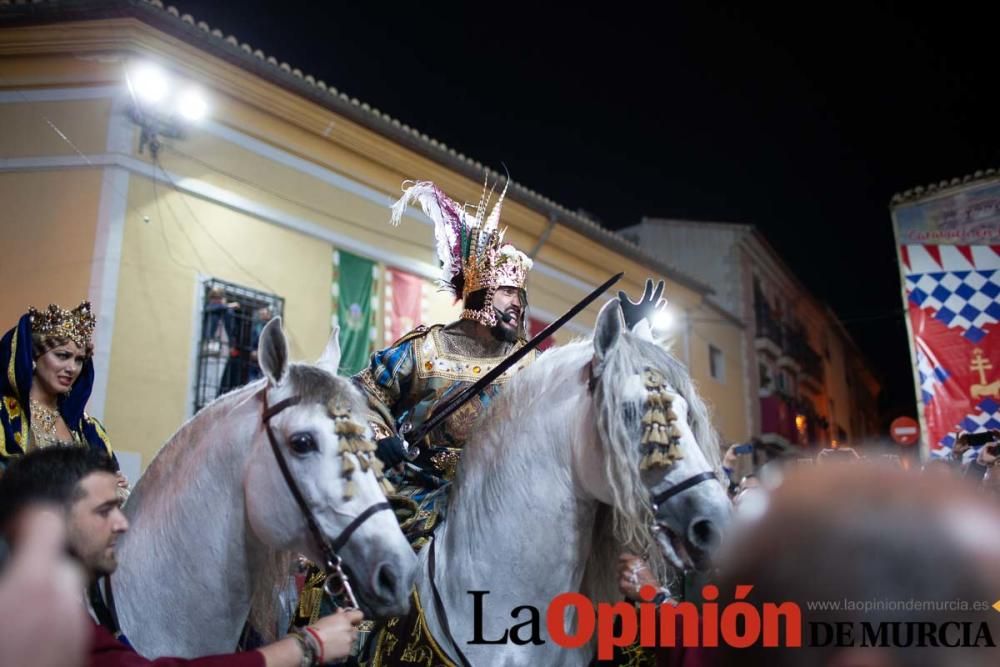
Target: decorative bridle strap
[
  {"x": 331, "y": 560},
  {"x": 667, "y": 494},
  {"x": 345, "y": 535},
  {"x": 329, "y": 554},
  {"x": 439, "y": 606},
  {"x": 279, "y": 406}
]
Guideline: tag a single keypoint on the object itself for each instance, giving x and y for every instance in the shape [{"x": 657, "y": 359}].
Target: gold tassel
[
  {"x": 349, "y": 428},
  {"x": 346, "y": 466},
  {"x": 387, "y": 487},
  {"x": 349, "y": 489},
  {"x": 336, "y": 410}
]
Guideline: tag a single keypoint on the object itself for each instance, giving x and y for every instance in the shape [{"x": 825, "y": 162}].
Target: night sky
[{"x": 802, "y": 120}]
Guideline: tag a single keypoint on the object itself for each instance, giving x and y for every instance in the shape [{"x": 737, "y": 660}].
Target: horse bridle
[{"x": 336, "y": 585}]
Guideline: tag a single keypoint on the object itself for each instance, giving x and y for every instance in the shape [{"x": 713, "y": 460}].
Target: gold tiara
[{"x": 76, "y": 325}]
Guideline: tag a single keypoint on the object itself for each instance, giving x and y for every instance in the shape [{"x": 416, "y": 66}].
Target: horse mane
[
  {"x": 490, "y": 471},
  {"x": 627, "y": 524}
]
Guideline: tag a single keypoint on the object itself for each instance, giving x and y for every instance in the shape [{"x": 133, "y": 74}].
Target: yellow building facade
[{"x": 282, "y": 176}]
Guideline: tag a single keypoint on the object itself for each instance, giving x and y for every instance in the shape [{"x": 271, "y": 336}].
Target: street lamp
[
  {"x": 162, "y": 106},
  {"x": 191, "y": 105},
  {"x": 150, "y": 83}
]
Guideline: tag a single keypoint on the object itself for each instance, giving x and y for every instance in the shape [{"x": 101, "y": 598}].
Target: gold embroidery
[
  {"x": 446, "y": 462},
  {"x": 374, "y": 388},
  {"x": 432, "y": 359},
  {"x": 417, "y": 644}
]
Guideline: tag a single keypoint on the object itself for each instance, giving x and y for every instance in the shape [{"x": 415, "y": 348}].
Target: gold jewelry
[
  {"x": 76, "y": 325},
  {"x": 44, "y": 426},
  {"x": 44, "y": 419}
]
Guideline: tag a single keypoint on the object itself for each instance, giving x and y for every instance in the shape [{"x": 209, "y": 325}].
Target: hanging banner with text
[{"x": 949, "y": 260}]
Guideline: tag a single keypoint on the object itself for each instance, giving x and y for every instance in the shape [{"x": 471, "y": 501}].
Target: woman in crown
[{"x": 47, "y": 375}]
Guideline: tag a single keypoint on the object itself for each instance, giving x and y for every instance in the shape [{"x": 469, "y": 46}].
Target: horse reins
[{"x": 337, "y": 584}]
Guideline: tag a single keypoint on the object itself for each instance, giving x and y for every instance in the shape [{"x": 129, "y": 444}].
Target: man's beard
[{"x": 504, "y": 333}]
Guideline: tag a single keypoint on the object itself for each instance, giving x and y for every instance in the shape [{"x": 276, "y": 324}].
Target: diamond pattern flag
[{"x": 950, "y": 266}]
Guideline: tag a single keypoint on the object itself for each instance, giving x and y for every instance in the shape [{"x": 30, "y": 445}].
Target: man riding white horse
[{"x": 407, "y": 382}]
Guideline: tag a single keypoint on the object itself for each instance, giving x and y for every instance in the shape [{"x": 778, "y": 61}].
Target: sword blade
[{"x": 454, "y": 403}]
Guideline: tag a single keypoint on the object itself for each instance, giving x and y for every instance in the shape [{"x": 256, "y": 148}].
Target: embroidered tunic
[{"x": 407, "y": 381}]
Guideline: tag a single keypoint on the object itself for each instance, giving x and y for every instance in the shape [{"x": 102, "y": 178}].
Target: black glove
[
  {"x": 644, "y": 308},
  {"x": 390, "y": 451}
]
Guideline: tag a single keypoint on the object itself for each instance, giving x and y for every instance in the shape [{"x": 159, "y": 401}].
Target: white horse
[
  {"x": 212, "y": 517},
  {"x": 550, "y": 490}
]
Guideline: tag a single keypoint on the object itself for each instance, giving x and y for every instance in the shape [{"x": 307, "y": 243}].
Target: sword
[{"x": 456, "y": 401}]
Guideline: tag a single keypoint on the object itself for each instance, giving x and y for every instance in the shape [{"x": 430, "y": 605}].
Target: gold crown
[
  {"x": 499, "y": 265},
  {"x": 76, "y": 325}
]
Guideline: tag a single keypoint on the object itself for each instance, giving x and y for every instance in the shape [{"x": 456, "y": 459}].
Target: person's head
[
  {"x": 475, "y": 260},
  {"x": 507, "y": 301},
  {"x": 81, "y": 480},
  {"x": 264, "y": 314},
  {"x": 868, "y": 534},
  {"x": 216, "y": 295},
  {"x": 61, "y": 343}
]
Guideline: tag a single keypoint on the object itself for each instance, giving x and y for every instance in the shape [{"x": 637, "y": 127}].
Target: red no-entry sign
[{"x": 905, "y": 430}]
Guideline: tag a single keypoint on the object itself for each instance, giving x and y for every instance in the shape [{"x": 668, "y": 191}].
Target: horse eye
[
  {"x": 630, "y": 413},
  {"x": 302, "y": 443}
]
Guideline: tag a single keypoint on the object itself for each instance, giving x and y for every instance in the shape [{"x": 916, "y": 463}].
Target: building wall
[
  {"x": 260, "y": 195},
  {"x": 725, "y": 394},
  {"x": 46, "y": 260},
  {"x": 707, "y": 250},
  {"x": 730, "y": 258}
]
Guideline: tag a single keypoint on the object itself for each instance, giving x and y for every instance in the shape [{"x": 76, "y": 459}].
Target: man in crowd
[{"x": 81, "y": 484}]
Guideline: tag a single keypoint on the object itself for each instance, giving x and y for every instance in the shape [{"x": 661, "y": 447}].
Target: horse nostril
[
  {"x": 386, "y": 581},
  {"x": 704, "y": 535}
]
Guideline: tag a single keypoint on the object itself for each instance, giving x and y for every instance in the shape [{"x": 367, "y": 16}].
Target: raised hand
[{"x": 644, "y": 308}]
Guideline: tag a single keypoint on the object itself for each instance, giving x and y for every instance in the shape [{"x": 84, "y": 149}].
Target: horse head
[
  {"x": 659, "y": 460},
  {"x": 318, "y": 426}
]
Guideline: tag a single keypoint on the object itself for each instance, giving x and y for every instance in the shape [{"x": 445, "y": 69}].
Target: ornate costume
[
  {"x": 26, "y": 424},
  {"x": 407, "y": 381}
]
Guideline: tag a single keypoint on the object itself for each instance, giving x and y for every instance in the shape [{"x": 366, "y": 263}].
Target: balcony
[
  {"x": 769, "y": 335},
  {"x": 809, "y": 362}
]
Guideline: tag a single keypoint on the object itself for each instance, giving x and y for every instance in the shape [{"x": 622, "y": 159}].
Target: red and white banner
[
  {"x": 404, "y": 303},
  {"x": 951, "y": 284}
]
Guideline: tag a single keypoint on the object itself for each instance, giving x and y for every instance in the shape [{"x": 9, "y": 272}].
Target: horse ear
[
  {"x": 330, "y": 361},
  {"x": 643, "y": 331},
  {"x": 610, "y": 325},
  {"x": 272, "y": 352}
]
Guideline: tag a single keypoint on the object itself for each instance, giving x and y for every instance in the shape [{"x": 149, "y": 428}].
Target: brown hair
[{"x": 42, "y": 344}]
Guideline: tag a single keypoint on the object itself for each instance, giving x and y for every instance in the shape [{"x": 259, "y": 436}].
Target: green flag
[{"x": 354, "y": 310}]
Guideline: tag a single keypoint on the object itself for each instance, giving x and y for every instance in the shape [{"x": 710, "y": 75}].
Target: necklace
[{"x": 43, "y": 424}]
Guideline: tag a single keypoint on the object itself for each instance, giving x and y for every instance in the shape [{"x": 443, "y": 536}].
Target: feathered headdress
[{"x": 469, "y": 245}]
